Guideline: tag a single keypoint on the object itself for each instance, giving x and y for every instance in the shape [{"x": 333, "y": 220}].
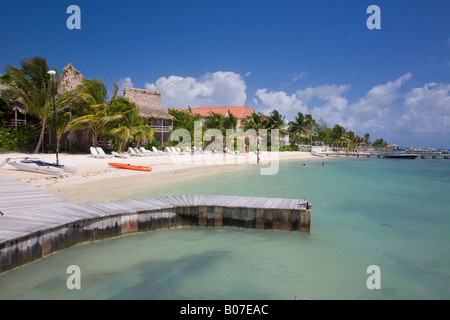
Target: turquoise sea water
[{"x": 391, "y": 213}]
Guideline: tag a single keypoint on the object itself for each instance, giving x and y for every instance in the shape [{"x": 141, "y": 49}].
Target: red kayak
[{"x": 129, "y": 166}]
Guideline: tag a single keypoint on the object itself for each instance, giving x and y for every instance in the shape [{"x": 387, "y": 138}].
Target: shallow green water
[{"x": 391, "y": 213}]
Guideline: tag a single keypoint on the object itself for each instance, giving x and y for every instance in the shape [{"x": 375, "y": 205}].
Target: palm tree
[
  {"x": 255, "y": 121},
  {"x": 367, "y": 140},
  {"x": 214, "y": 121},
  {"x": 91, "y": 99},
  {"x": 339, "y": 135},
  {"x": 33, "y": 84},
  {"x": 309, "y": 124},
  {"x": 276, "y": 121},
  {"x": 229, "y": 121},
  {"x": 301, "y": 127}
]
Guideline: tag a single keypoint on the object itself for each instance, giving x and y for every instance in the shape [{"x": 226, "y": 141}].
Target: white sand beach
[{"x": 95, "y": 175}]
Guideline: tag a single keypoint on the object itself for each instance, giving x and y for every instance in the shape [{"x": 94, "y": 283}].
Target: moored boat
[
  {"x": 130, "y": 166},
  {"x": 33, "y": 166},
  {"x": 65, "y": 167},
  {"x": 400, "y": 156},
  {"x": 317, "y": 154}
]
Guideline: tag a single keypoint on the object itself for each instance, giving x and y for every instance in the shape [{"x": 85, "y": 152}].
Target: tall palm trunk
[{"x": 41, "y": 135}]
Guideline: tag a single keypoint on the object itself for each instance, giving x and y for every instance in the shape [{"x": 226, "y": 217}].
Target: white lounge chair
[
  {"x": 174, "y": 151},
  {"x": 232, "y": 152},
  {"x": 156, "y": 151},
  {"x": 120, "y": 155},
  {"x": 197, "y": 150},
  {"x": 139, "y": 152},
  {"x": 95, "y": 154},
  {"x": 102, "y": 153},
  {"x": 133, "y": 153},
  {"x": 168, "y": 150},
  {"x": 148, "y": 152}
]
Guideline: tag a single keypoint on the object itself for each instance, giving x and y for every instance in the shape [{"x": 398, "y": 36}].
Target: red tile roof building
[{"x": 239, "y": 112}]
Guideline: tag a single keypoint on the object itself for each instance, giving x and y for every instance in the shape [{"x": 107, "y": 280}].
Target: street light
[{"x": 52, "y": 74}]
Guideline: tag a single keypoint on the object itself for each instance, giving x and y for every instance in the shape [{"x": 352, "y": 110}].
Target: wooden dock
[
  {"x": 425, "y": 155},
  {"x": 35, "y": 223}
]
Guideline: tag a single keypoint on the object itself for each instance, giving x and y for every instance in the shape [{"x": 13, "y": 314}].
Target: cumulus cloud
[
  {"x": 380, "y": 95},
  {"x": 125, "y": 83},
  {"x": 212, "y": 89},
  {"x": 279, "y": 100},
  {"x": 426, "y": 110},
  {"x": 386, "y": 109}
]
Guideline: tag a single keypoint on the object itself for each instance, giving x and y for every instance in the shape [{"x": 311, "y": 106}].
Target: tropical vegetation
[
  {"x": 112, "y": 117},
  {"x": 88, "y": 107}
]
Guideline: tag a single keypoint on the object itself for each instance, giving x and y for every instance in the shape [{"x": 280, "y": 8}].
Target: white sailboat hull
[{"x": 35, "y": 167}]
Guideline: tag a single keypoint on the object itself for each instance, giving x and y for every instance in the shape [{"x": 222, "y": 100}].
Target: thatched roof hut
[
  {"x": 149, "y": 103},
  {"x": 15, "y": 104},
  {"x": 70, "y": 79}
]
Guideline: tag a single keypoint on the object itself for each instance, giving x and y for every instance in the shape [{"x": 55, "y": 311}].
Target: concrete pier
[{"x": 34, "y": 223}]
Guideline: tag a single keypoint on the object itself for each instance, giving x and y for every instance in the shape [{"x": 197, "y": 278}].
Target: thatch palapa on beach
[
  {"x": 150, "y": 106},
  {"x": 70, "y": 79},
  {"x": 149, "y": 103},
  {"x": 17, "y": 106}
]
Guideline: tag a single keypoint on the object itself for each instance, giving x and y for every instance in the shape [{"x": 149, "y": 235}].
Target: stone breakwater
[{"x": 34, "y": 223}]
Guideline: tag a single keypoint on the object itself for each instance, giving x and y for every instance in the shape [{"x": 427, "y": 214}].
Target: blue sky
[{"x": 316, "y": 57}]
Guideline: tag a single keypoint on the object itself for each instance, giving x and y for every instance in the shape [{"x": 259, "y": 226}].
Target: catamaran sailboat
[{"x": 36, "y": 165}]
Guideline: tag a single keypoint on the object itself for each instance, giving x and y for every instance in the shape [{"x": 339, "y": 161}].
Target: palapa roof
[
  {"x": 15, "y": 104},
  {"x": 70, "y": 79},
  {"x": 149, "y": 103}
]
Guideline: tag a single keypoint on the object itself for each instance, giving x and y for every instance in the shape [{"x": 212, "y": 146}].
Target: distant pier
[
  {"x": 421, "y": 155},
  {"x": 35, "y": 223}
]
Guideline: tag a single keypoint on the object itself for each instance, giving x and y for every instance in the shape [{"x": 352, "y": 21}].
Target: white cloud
[
  {"x": 384, "y": 111},
  {"x": 124, "y": 83},
  {"x": 279, "y": 100},
  {"x": 299, "y": 76},
  {"x": 426, "y": 110},
  {"x": 212, "y": 89},
  {"x": 380, "y": 95}
]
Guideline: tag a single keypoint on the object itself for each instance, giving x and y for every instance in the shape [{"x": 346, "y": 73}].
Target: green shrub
[
  {"x": 154, "y": 143},
  {"x": 17, "y": 139},
  {"x": 288, "y": 148}
]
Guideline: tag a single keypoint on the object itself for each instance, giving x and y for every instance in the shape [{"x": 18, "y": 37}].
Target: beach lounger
[
  {"x": 133, "y": 153},
  {"x": 197, "y": 150},
  {"x": 174, "y": 151},
  {"x": 148, "y": 152},
  {"x": 102, "y": 153},
  {"x": 139, "y": 152},
  {"x": 95, "y": 154},
  {"x": 156, "y": 151},
  {"x": 232, "y": 152},
  {"x": 168, "y": 150},
  {"x": 120, "y": 155}
]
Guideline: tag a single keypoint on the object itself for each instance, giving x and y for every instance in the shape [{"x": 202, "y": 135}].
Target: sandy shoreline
[{"x": 95, "y": 177}]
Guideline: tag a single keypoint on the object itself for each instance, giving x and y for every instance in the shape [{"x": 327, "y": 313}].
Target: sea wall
[{"x": 38, "y": 244}]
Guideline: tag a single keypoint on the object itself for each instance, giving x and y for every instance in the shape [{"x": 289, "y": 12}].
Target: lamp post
[{"x": 52, "y": 74}]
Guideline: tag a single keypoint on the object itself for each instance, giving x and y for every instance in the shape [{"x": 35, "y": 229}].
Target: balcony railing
[{"x": 162, "y": 128}]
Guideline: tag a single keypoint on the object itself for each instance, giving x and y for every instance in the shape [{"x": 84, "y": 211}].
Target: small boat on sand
[
  {"x": 317, "y": 154},
  {"x": 129, "y": 166},
  {"x": 34, "y": 166}
]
